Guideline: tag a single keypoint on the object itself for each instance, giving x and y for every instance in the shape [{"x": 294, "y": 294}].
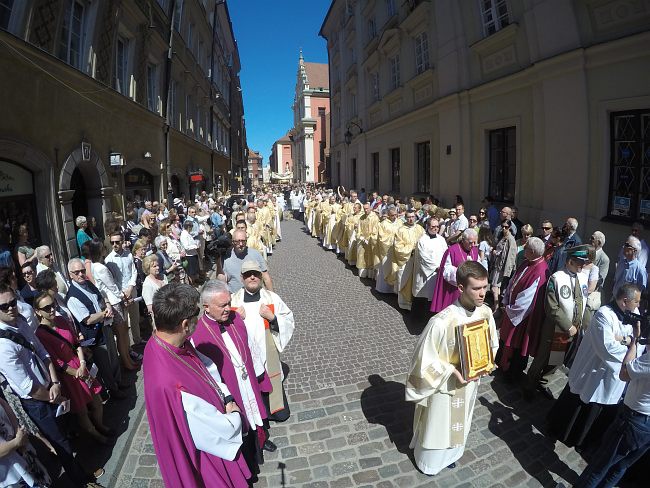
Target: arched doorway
[
  {"x": 138, "y": 182},
  {"x": 84, "y": 189}
]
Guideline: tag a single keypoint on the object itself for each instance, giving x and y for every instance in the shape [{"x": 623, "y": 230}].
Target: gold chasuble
[
  {"x": 329, "y": 240},
  {"x": 385, "y": 234},
  {"x": 443, "y": 406},
  {"x": 348, "y": 244},
  {"x": 325, "y": 212},
  {"x": 368, "y": 225},
  {"x": 406, "y": 238}
]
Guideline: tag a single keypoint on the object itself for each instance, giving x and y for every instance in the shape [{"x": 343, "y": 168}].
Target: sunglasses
[
  {"x": 78, "y": 271},
  {"x": 27, "y": 273},
  {"x": 6, "y": 306},
  {"x": 49, "y": 256},
  {"x": 547, "y": 228},
  {"x": 47, "y": 308},
  {"x": 505, "y": 226},
  {"x": 248, "y": 274}
]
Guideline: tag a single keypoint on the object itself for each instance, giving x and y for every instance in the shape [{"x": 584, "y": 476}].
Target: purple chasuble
[
  {"x": 181, "y": 463},
  {"x": 520, "y": 337},
  {"x": 444, "y": 293},
  {"x": 218, "y": 353}
]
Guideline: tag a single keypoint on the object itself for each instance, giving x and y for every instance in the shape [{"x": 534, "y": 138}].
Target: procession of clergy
[{"x": 213, "y": 377}]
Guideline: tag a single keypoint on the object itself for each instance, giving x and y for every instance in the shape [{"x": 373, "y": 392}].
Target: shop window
[
  {"x": 502, "y": 164},
  {"x": 423, "y": 167},
  {"x": 395, "y": 170},
  {"x": 629, "y": 183}
]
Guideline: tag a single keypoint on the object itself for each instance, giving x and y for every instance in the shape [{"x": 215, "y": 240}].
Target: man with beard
[
  {"x": 270, "y": 325},
  {"x": 444, "y": 399},
  {"x": 446, "y": 291}
]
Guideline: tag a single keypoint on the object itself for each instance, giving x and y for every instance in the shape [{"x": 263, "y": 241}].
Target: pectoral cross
[
  {"x": 457, "y": 403},
  {"x": 457, "y": 427}
]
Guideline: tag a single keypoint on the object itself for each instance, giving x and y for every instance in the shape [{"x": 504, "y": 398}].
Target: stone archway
[{"x": 97, "y": 188}]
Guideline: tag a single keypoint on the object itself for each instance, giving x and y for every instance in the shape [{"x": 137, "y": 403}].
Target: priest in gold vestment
[
  {"x": 400, "y": 273},
  {"x": 444, "y": 401},
  {"x": 349, "y": 242},
  {"x": 386, "y": 231},
  {"x": 366, "y": 234}
]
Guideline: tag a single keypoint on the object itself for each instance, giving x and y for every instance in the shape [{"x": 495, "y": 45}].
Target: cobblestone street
[{"x": 350, "y": 425}]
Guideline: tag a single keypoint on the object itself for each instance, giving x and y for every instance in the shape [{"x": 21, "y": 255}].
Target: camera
[
  {"x": 219, "y": 247},
  {"x": 632, "y": 318}
]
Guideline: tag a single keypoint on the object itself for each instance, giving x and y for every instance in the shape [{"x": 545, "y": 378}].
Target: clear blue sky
[{"x": 270, "y": 34}]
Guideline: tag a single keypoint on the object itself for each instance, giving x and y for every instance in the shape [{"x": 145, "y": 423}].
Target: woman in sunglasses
[{"x": 78, "y": 385}]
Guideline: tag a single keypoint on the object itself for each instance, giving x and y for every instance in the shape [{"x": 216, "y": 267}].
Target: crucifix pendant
[{"x": 244, "y": 374}]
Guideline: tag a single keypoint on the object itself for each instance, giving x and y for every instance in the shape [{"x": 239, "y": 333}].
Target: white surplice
[
  {"x": 444, "y": 408},
  {"x": 427, "y": 257}
]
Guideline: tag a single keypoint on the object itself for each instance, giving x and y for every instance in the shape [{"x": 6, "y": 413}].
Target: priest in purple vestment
[
  {"x": 446, "y": 290},
  {"x": 196, "y": 427},
  {"x": 521, "y": 308},
  {"x": 222, "y": 336}
]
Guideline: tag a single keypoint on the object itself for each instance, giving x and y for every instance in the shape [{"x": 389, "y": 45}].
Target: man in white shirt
[
  {"x": 459, "y": 225},
  {"x": 26, "y": 365},
  {"x": 46, "y": 261},
  {"x": 120, "y": 263},
  {"x": 628, "y": 438}
]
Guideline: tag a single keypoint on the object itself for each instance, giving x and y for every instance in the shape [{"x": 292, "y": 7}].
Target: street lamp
[{"x": 348, "y": 135}]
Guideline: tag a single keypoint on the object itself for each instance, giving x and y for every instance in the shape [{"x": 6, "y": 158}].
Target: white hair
[
  {"x": 81, "y": 220},
  {"x": 74, "y": 261},
  {"x": 600, "y": 237},
  {"x": 159, "y": 240},
  {"x": 634, "y": 242},
  {"x": 468, "y": 234},
  {"x": 211, "y": 288},
  {"x": 536, "y": 245},
  {"x": 42, "y": 251},
  {"x": 572, "y": 223}
]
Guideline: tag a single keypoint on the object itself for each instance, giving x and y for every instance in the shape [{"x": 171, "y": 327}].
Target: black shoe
[
  {"x": 546, "y": 391},
  {"x": 452, "y": 466},
  {"x": 269, "y": 446}
]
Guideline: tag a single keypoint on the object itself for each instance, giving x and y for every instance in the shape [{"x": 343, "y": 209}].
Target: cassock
[
  {"x": 226, "y": 344},
  {"x": 443, "y": 407},
  {"x": 266, "y": 341},
  {"x": 446, "y": 290},
  {"x": 197, "y": 444},
  {"x": 401, "y": 272},
  {"x": 426, "y": 262},
  {"x": 523, "y": 300}
]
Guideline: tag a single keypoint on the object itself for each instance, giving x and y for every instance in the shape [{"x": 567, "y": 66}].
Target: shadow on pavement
[
  {"x": 512, "y": 419},
  {"x": 383, "y": 403}
]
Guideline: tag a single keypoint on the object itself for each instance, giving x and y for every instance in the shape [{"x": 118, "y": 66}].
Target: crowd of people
[{"x": 190, "y": 281}]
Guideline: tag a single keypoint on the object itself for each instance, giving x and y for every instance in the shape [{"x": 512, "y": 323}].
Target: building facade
[
  {"x": 96, "y": 114},
  {"x": 281, "y": 158},
  {"x": 255, "y": 168},
  {"x": 542, "y": 104},
  {"x": 310, "y": 108}
]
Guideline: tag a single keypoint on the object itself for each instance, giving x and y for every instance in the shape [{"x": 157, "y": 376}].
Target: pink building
[
  {"x": 311, "y": 107},
  {"x": 281, "y": 158}
]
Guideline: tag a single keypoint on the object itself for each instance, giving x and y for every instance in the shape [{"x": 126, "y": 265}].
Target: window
[
  {"x": 354, "y": 172},
  {"x": 122, "y": 66},
  {"x": 502, "y": 164},
  {"x": 375, "y": 170},
  {"x": 71, "y": 40},
  {"x": 495, "y": 15},
  {"x": 152, "y": 87},
  {"x": 321, "y": 111},
  {"x": 178, "y": 14},
  {"x": 5, "y": 13},
  {"x": 189, "y": 123},
  {"x": 421, "y": 53},
  {"x": 372, "y": 29},
  {"x": 394, "y": 170},
  {"x": 394, "y": 73},
  {"x": 173, "y": 104},
  {"x": 374, "y": 86},
  {"x": 629, "y": 183},
  {"x": 390, "y": 8},
  {"x": 423, "y": 167},
  {"x": 190, "y": 36}
]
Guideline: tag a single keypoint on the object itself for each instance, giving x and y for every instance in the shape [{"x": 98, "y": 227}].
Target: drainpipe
[{"x": 167, "y": 83}]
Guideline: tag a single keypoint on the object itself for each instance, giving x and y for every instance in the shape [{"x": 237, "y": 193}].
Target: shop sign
[
  {"x": 14, "y": 180},
  {"x": 196, "y": 177}
]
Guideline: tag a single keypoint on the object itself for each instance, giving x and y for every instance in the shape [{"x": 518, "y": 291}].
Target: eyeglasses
[
  {"x": 47, "y": 308},
  {"x": 547, "y": 228},
  {"x": 481, "y": 213},
  {"x": 27, "y": 273},
  {"x": 6, "y": 306},
  {"x": 78, "y": 271},
  {"x": 248, "y": 274}
]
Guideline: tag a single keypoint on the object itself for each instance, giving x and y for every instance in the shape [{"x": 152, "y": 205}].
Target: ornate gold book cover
[{"x": 476, "y": 357}]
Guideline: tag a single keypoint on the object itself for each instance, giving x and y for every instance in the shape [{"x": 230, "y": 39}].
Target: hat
[
  {"x": 177, "y": 201},
  {"x": 579, "y": 253},
  {"x": 249, "y": 265}
]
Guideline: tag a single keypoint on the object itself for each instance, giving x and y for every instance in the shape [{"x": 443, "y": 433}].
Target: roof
[{"x": 317, "y": 75}]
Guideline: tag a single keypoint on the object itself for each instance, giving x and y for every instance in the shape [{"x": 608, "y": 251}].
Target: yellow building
[
  {"x": 95, "y": 114},
  {"x": 542, "y": 104}
]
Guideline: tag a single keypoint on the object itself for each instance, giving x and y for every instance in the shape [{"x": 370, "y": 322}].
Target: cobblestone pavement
[{"x": 350, "y": 425}]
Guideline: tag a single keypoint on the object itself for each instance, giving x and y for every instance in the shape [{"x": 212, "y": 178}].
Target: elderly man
[
  {"x": 565, "y": 301},
  {"x": 270, "y": 324},
  {"x": 601, "y": 261},
  {"x": 521, "y": 301},
  {"x": 121, "y": 265},
  {"x": 386, "y": 230},
  {"x": 46, "y": 261},
  {"x": 401, "y": 260},
  {"x": 221, "y": 335},
  {"x": 642, "y": 256},
  {"x": 594, "y": 388},
  {"x": 93, "y": 317},
  {"x": 195, "y": 424},
  {"x": 426, "y": 260},
  {"x": 366, "y": 235},
  {"x": 233, "y": 261},
  {"x": 630, "y": 269},
  {"x": 444, "y": 399},
  {"x": 33, "y": 377},
  {"x": 446, "y": 290}
]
